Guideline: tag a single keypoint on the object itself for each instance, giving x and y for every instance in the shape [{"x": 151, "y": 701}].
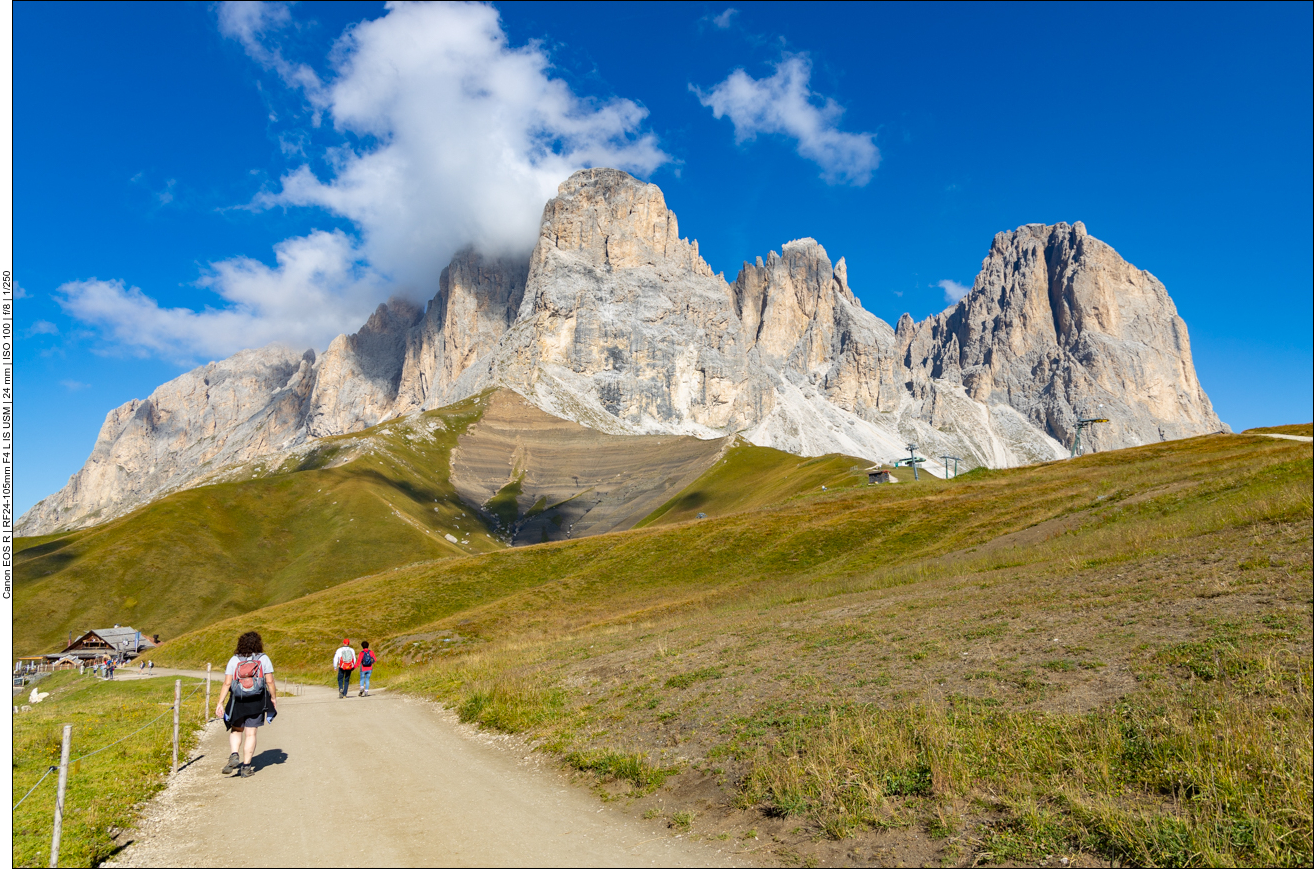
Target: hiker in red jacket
[{"x": 367, "y": 660}]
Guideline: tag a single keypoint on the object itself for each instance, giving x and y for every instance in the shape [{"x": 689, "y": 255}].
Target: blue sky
[{"x": 190, "y": 179}]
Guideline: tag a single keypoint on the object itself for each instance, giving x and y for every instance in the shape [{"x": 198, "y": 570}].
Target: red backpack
[
  {"x": 249, "y": 678},
  {"x": 348, "y": 663}
]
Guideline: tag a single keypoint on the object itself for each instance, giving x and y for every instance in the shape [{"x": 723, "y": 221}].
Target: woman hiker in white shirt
[{"x": 248, "y": 696}]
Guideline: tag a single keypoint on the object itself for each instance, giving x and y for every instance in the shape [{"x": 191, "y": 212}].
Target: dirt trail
[
  {"x": 1285, "y": 437},
  {"x": 388, "y": 780}
]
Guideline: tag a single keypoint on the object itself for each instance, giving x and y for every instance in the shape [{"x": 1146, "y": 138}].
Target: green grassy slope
[
  {"x": 877, "y": 536},
  {"x": 1107, "y": 657},
  {"x": 355, "y": 505},
  {"x": 1302, "y": 429},
  {"x": 107, "y": 790},
  {"x": 750, "y": 477}
]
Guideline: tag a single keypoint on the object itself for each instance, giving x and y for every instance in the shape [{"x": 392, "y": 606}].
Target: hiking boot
[
  {"x": 233, "y": 763},
  {"x": 360, "y": 693},
  {"x": 247, "y": 770}
]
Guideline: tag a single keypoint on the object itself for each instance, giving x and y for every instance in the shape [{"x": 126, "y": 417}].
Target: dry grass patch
[{"x": 1099, "y": 657}]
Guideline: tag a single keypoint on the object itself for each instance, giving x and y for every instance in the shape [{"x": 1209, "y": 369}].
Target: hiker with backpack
[
  {"x": 246, "y": 701},
  {"x": 367, "y": 660},
  {"x": 344, "y": 661}
]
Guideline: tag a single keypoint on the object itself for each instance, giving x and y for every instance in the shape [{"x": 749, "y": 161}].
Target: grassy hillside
[
  {"x": 750, "y": 477},
  {"x": 1108, "y": 658},
  {"x": 106, "y": 790},
  {"x": 353, "y": 506},
  {"x": 1302, "y": 429}
]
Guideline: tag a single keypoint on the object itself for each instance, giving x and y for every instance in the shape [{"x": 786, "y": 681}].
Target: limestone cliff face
[
  {"x": 359, "y": 377},
  {"x": 1059, "y": 326},
  {"x": 616, "y": 322},
  {"x": 623, "y": 322},
  {"x": 251, "y": 404},
  {"x": 478, "y": 299}
]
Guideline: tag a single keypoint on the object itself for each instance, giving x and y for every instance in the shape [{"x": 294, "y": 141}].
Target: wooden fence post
[
  {"x": 59, "y": 796},
  {"x": 177, "y": 701},
  {"x": 205, "y": 713}
]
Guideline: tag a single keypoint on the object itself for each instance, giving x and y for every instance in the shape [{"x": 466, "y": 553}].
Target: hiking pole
[
  {"x": 59, "y": 796},
  {"x": 177, "y": 701},
  {"x": 205, "y": 713}
]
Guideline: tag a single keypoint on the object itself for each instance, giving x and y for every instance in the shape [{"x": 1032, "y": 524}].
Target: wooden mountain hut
[{"x": 119, "y": 642}]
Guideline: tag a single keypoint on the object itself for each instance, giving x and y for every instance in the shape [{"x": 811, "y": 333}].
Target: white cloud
[
  {"x": 43, "y": 327},
  {"x": 19, "y": 292},
  {"x": 724, "y": 20},
  {"x": 318, "y": 289},
  {"x": 953, "y": 291},
  {"x": 74, "y": 385},
  {"x": 784, "y": 104},
  {"x": 448, "y": 136},
  {"x": 472, "y": 137},
  {"x": 254, "y": 24}
]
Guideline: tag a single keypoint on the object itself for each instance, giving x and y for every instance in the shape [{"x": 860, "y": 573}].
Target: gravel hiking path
[
  {"x": 1301, "y": 438},
  {"x": 388, "y": 780}
]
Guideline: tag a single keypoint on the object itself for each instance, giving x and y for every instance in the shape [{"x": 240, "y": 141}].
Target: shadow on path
[
  {"x": 190, "y": 761},
  {"x": 269, "y": 757}
]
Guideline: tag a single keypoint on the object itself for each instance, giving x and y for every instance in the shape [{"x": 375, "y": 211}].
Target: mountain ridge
[{"x": 616, "y": 322}]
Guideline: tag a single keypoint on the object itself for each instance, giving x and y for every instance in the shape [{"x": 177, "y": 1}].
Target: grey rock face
[
  {"x": 478, "y": 299},
  {"x": 250, "y": 404},
  {"x": 617, "y": 323},
  {"x": 359, "y": 377},
  {"x": 1059, "y": 326}
]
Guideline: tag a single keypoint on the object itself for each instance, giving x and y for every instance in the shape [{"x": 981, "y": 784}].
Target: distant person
[
  {"x": 344, "y": 661},
  {"x": 151, "y": 665},
  {"x": 367, "y": 660},
  {"x": 249, "y": 698}
]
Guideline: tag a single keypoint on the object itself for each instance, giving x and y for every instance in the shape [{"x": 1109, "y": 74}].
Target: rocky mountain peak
[
  {"x": 1059, "y": 325},
  {"x": 615, "y": 322},
  {"x": 612, "y": 219}
]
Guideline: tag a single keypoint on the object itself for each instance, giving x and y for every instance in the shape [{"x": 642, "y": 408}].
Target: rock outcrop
[
  {"x": 359, "y": 377},
  {"x": 251, "y": 404},
  {"x": 478, "y": 299},
  {"x": 616, "y": 322},
  {"x": 1058, "y": 325}
]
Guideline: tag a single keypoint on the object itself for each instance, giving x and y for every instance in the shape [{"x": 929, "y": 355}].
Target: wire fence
[
  {"x": 168, "y": 711},
  {"x": 34, "y": 787},
  {"x": 64, "y": 762}
]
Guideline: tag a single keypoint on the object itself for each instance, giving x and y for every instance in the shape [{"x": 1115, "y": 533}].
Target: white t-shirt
[{"x": 265, "y": 663}]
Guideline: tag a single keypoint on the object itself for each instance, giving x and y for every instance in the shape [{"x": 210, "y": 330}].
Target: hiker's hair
[
  {"x": 364, "y": 644},
  {"x": 249, "y": 644}
]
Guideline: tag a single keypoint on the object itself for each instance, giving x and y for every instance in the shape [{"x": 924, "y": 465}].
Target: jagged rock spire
[{"x": 616, "y": 322}]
